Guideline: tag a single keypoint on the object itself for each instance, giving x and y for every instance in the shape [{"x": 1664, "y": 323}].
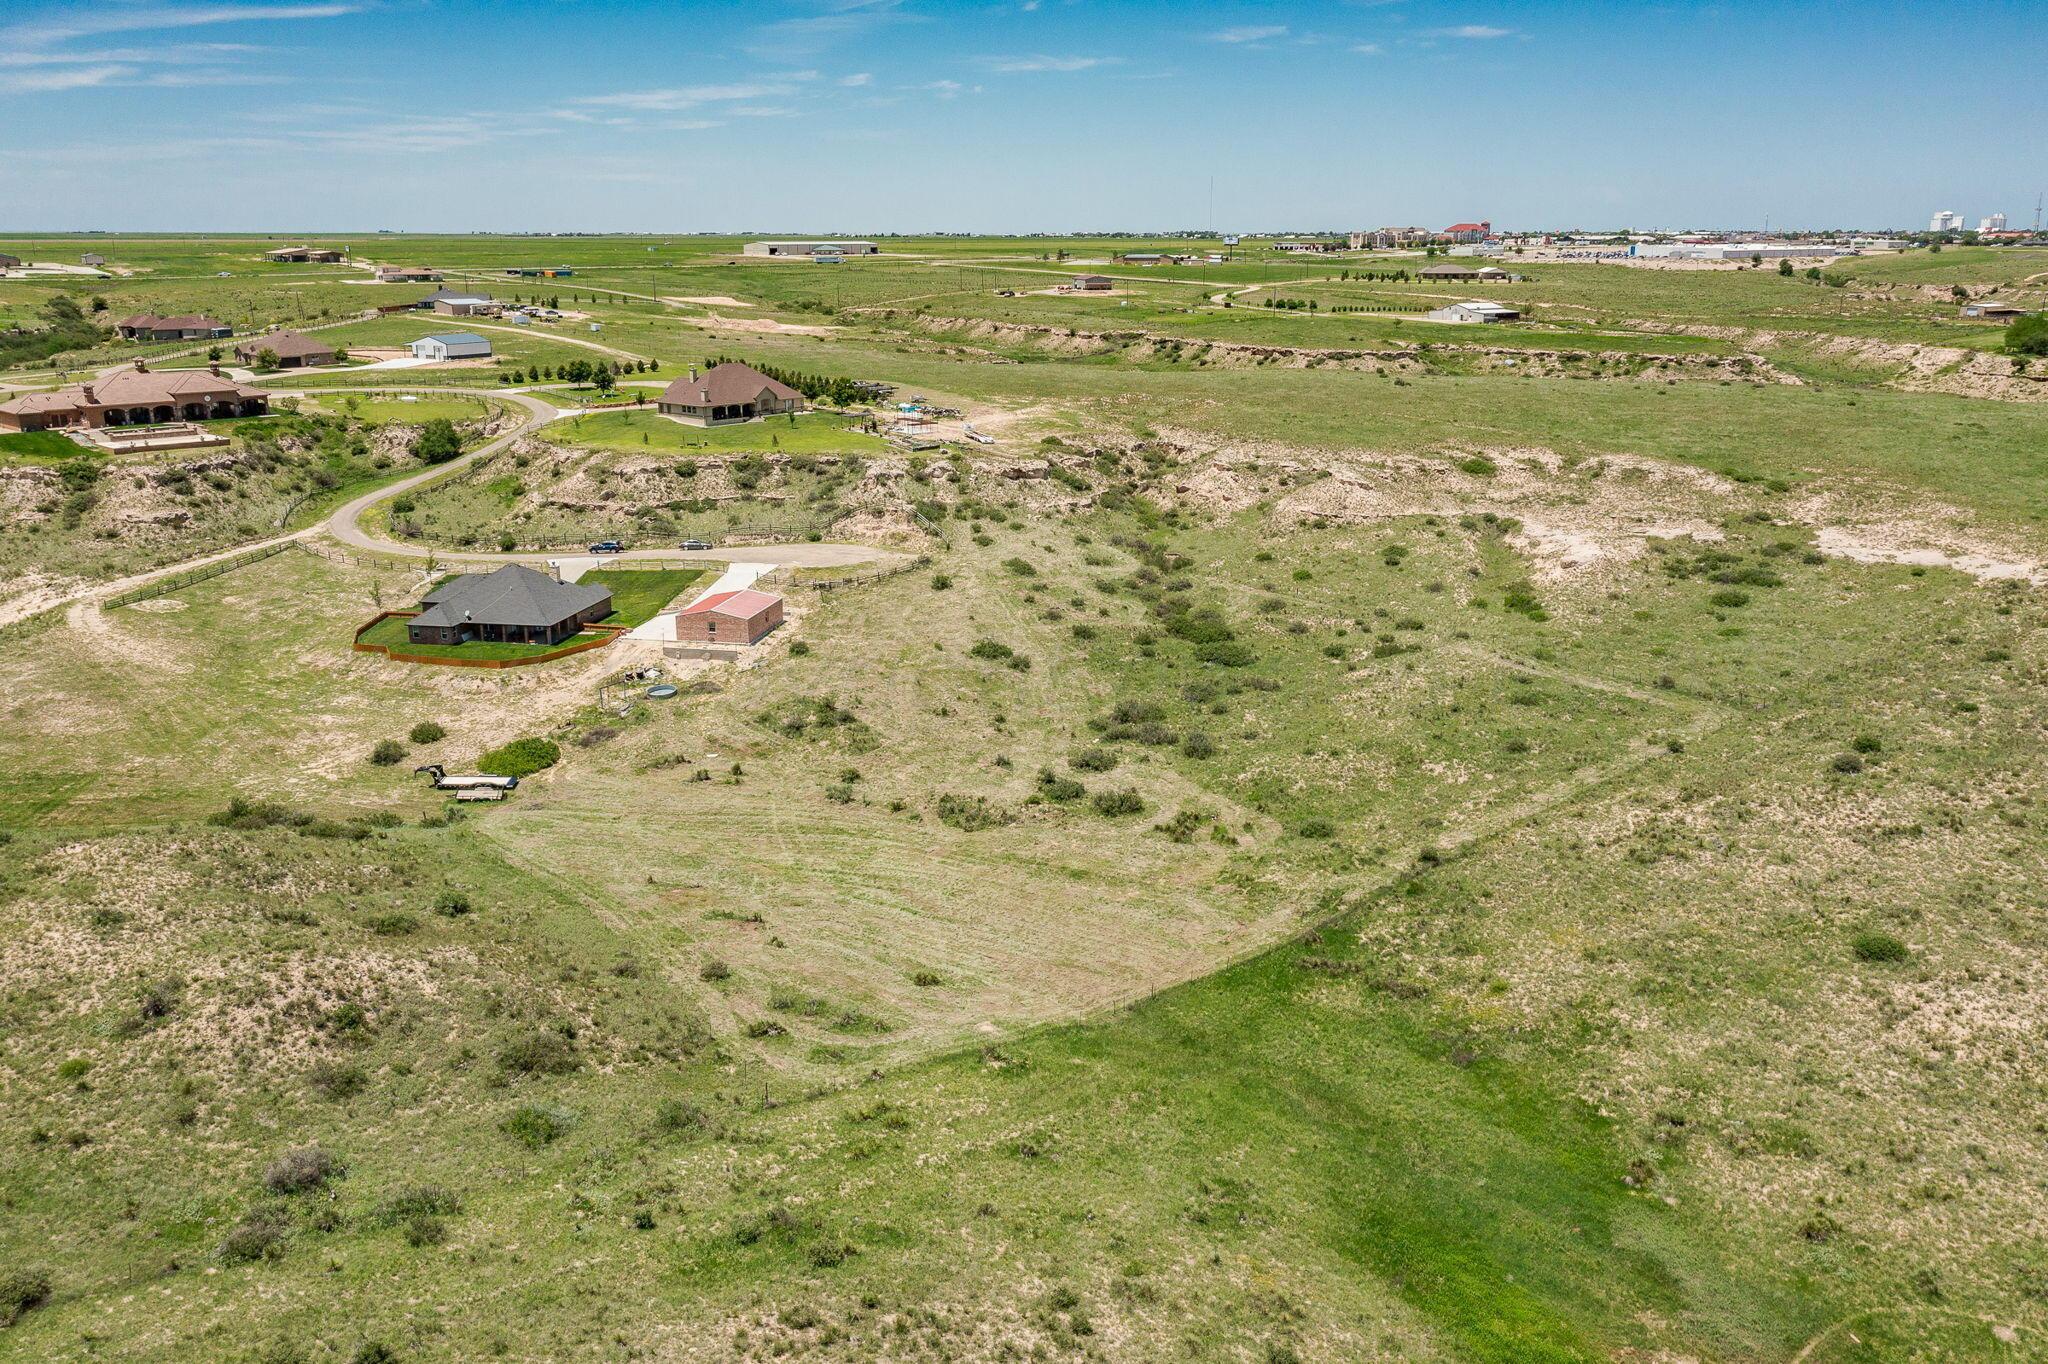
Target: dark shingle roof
[{"x": 512, "y": 595}]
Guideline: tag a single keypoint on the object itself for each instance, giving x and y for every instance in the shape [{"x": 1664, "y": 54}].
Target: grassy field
[
  {"x": 640, "y": 594},
  {"x": 1440, "y": 865}
]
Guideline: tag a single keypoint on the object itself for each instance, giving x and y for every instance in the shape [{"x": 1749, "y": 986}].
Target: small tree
[
  {"x": 2028, "y": 335},
  {"x": 437, "y": 442},
  {"x": 266, "y": 359},
  {"x": 604, "y": 381},
  {"x": 1785, "y": 268}
]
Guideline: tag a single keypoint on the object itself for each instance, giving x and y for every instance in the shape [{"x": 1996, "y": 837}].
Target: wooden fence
[{"x": 860, "y": 579}]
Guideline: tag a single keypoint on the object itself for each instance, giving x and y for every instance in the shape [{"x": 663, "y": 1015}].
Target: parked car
[
  {"x": 696, "y": 544},
  {"x": 608, "y": 547}
]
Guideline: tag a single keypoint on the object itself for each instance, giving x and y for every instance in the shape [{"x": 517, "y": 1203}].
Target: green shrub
[
  {"x": 21, "y": 1292},
  {"x": 1317, "y": 828},
  {"x": 537, "y": 1125},
  {"x": 302, "y": 1168},
  {"x": 714, "y": 969},
  {"x": 437, "y": 442},
  {"x": 990, "y": 649},
  {"x": 1872, "y": 945},
  {"x": 1198, "y": 745},
  {"x": 2028, "y": 335},
  {"x": 926, "y": 979},
  {"x": 1096, "y": 759},
  {"x": 521, "y": 758},
  {"x": 388, "y": 753},
  {"x": 1729, "y": 596},
  {"x": 539, "y": 1053},
  {"x": 427, "y": 732},
  {"x": 1053, "y": 787},
  {"x": 336, "y": 1080},
  {"x": 258, "y": 1236},
  {"x": 1847, "y": 762},
  {"x": 451, "y": 904},
  {"x": 1226, "y": 653},
  {"x": 1115, "y": 804},
  {"x": 971, "y": 814}
]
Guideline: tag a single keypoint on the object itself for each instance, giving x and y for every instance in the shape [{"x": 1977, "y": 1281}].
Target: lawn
[
  {"x": 391, "y": 632},
  {"x": 404, "y": 408},
  {"x": 38, "y": 445},
  {"x": 639, "y": 594},
  {"x": 814, "y": 433}
]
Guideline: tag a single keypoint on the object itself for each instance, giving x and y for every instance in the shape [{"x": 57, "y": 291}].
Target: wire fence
[{"x": 160, "y": 586}]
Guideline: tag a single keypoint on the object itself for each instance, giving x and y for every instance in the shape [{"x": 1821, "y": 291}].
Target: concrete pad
[{"x": 663, "y": 626}]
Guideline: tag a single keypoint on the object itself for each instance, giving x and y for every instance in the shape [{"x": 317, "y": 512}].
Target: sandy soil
[
  {"x": 715, "y": 322},
  {"x": 709, "y": 300}
]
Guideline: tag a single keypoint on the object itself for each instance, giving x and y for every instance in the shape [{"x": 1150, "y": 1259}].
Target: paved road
[{"x": 344, "y": 524}]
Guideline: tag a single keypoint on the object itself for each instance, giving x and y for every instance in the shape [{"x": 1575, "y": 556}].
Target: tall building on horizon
[
  {"x": 1948, "y": 220},
  {"x": 1993, "y": 223}
]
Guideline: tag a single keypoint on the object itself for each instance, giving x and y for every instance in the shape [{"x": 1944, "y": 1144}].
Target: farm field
[{"x": 1276, "y": 858}]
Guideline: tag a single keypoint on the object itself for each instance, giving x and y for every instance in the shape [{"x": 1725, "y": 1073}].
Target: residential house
[
  {"x": 300, "y": 255},
  {"x": 407, "y": 274},
  {"x": 1994, "y": 309},
  {"x": 451, "y": 346},
  {"x": 730, "y": 392},
  {"x": 459, "y": 303},
  {"x": 1447, "y": 271},
  {"x": 1092, "y": 283},
  {"x": 511, "y": 605},
  {"x": 742, "y": 617},
  {"x": 92, "y": 258},
  {"x": 1474, "y": 310},
  {"x": 294, "y": 350},
  {"x": 136, "y": 397},
  {"x": 8, "y": 262},
  {"x": 184, "y": 327}
]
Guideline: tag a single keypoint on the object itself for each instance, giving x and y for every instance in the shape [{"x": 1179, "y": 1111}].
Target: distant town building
[
  {"x": 451, "y": 346},
  {"x": 810, "y": 249},
  {"x": 1948, "y": 220},
  {"x": 136, "y": 397},
  {"x": 725, "y": 393},
  {"x": 299, "y": 255},
  {"x": 294, "y": 350},
  {"x": 1880, "y": 243},
  {"x": 189, "y": 327},
  {"x": 1474, "y": 310},
  {"x": 1994, "y": 222},
  {"x": 1388, "y": 238},
  {"x": 1469, "y": 232}
]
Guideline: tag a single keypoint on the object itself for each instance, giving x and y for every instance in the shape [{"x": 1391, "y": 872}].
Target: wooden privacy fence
[
  {"x": 195, "y": 575},
  {"x": 607, "y": 633}
]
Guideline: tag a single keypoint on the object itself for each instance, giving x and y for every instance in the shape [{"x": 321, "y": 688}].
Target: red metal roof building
[{"x": 741, "y": 617}]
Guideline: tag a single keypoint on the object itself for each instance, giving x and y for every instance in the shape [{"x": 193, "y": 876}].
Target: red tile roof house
[
  {"x": 742, "y": 617},
  {"x": 136, "y": 397},
  {"x": 186, "y": 327},
  {"x": 730, "y": 392},
  {"x": 294, "y": 350}
]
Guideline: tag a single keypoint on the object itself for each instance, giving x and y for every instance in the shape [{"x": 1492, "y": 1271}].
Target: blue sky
[{"x": 1012, "y": 115}]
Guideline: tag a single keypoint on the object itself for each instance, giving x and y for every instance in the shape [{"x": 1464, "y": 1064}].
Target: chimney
[
  {"x": 86, "y": 391},
  {"x": 141, "y": 366},
  {"x": 693, "y": 374},
  {"x": 213, "y": 368}
]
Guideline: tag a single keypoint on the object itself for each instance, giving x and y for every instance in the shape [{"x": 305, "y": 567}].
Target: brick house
[
  {"x": 294, "y": 350},
  {"x": 186, "y": 327},
  {"x": 511, "y": 605},
  {"x": 730, "y": 392},
  {"x": 742, "y": 617}
]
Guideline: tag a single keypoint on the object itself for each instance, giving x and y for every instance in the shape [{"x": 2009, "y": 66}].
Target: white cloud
[
  {"x": 684, "y": 96},
  {"x": 1472, "y": 31},
  {"x": 138, "y": 19},
  {"x": 858, "y": 78},
  {"x": 65, "y": 78},
  {"x": 1367, "y": 49},
  {"x": 1042, "y": 63},
  {"x": 945, "y": 89},
  {"x": 1249, "y": 33}
]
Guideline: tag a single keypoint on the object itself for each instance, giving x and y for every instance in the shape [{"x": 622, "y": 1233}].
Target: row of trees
[{"x": 604, "y": 374}]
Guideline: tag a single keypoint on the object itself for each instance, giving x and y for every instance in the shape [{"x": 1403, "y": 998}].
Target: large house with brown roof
[
  {"x": 730, "y": 392},
  {"x": 136, "y": 397},
  {"x": 185, "y": 327},
  {"x": 8, "y": 262},
  {"x": 294, "y": 350}
]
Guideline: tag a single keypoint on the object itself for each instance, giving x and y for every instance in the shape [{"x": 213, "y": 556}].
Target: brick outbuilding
[{"x": 742, "y": 617}]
